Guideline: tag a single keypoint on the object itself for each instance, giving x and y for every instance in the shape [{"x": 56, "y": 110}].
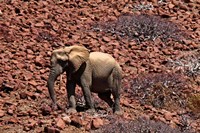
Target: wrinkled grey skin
[{"x": 94, "y": 72}]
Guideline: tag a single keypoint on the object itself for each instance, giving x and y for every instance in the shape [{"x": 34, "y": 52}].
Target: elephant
[{"x": 95, "y": 72}]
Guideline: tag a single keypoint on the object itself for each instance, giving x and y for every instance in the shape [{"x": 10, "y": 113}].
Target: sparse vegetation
[
  {"x": 189, "y": 64},
  {"x": 142, "y": 27},
  {"x": 31, "y": 29},
  {"x": 160, "y": 90},
  {"x": 194, "y": 103},
  {"x": 143, "y": 6},
  {"x": 141, "y": 125}
]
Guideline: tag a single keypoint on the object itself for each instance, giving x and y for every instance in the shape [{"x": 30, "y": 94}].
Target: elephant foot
[
  {"x": 119, "y": 112},
  {"x": 56, "y": 106},
  {"x": 71, "y": 111},
  {"x": 91, "y": 111}
]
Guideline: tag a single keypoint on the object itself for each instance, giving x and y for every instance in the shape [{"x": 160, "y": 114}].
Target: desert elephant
[{"x": 94, "y": 72}]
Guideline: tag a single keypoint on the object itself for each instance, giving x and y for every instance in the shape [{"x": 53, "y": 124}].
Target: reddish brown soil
[{"x": 31, "y": 29}]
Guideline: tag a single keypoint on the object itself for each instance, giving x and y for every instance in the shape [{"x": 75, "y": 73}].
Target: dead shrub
[
  {"x": 160, "y": 90},
  {"x": 194, "y": 103},
  {"x": 141, "y": 125},
  {"x": 188, "y": 63},
  {"x": 142, "y": 27}
]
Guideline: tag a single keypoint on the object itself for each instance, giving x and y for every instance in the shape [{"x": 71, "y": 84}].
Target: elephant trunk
[{"x": 54, "y": 73}]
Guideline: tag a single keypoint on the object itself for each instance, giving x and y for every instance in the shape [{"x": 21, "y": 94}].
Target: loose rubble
[{"x": 30, "y": 30}]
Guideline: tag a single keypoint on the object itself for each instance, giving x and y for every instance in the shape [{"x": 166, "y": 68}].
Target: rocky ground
[{"x": 160, "y": 63}]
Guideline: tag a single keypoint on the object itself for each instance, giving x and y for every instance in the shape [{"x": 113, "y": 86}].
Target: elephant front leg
[
  {"x": 85, "y": 83},
  {"x": 88, "y": 99},
  {"x": 71, "y": 97}
]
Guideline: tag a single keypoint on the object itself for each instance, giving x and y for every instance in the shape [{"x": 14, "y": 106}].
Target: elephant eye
[{"x": 62, "y": 63}]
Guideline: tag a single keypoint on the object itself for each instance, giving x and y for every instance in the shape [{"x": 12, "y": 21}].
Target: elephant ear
[
  {"x": 60, "y": 54},
  {"x": 77, "y": 56}
]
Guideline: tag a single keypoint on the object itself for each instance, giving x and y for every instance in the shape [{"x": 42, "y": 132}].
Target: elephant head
[{"x": 60, "y": 60}]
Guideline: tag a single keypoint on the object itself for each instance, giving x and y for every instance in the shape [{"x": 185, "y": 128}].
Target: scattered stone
[
  {"x": 24, "y": 59},
  {"x": 77, "y": 121},
  {"x": 12, "y": 120},
  {"x": 2, "y": 113},
  {"x": 106, "y": 39},
  {"x": 60, "y": 123},
  {"x": 168, "y": 116},
  {"x": 31, "y": 123},
  {"x": 46, "y": 110},
  {"x": 66, "y": 119},
  {"x": 10, "y": 111},
  {"x": 28, "y": 75},
  {"x": 33, "y": 113},
  {"x": 33, "y": 82},
  {"x": 171, "y": 5},
  {"x": 97, "y": 123},
  {"x": 23, "y": 95},
  {"x": 51, "y": 130},
  {"x": 6, "y": 88}
]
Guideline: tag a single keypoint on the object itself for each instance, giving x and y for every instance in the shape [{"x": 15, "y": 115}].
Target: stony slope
[{"x": 30, "y": 30}]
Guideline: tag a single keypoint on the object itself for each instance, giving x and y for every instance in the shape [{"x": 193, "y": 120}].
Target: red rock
[
  {"x": 2, "y": 94},
  {"x": 97, "y": 123},
  {"x": 88, "y": 126},
  {"x": 2, "y": 113},
  {"x": 28, "y": 75},
  {"x": 33, "y": 82},
  {"x": 168, "y": 116},
  {"x": 41, "y": 24},
  {"x": 176, "y": 121},
  {"x": 60, "y": 123},
  {"x": 77, "y": 121},
  {"x": 154, "y": 1},
  {"x": 22, "y": 113},
  {"x": 106, "y": 39},
  {"x": 183, "y": 6},
  {"x": 13, "y": 120},
  {"x": 38, "y": 60},
  {"x": 166, "y": 52},
  {"x": 10, "y": 111},
  {"x": 171, "y": 5},
  {"x": 31, "y": 123},
  {"x": 46, "y": 110},
  {"x": 33, "y": 113},
  {"x": 23, "y": 95},
  {"x": 66, "y": 119},
  {"x": 30, "y": 94},
  {"x": 51, "y": 130},
  {"x": 7, "y": 68}
]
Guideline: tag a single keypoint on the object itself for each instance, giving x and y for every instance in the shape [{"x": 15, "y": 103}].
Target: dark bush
[
  {"x": 160, "y": 89},
  {"x": 188, "y": 63},
  {"x": 194, "y": 103},
  {"x": 141, "y": 125},
  {"x": 142, "y": 27}
]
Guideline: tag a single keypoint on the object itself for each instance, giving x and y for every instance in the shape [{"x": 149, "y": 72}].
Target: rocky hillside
[{"x": 156, "y": 42}]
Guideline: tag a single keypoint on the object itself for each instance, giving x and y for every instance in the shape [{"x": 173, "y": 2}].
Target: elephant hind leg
[
  {"x": 116, "y": 80},
  {"x": 116, "y": 97},
  {"x": 106, "y": 97}
]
